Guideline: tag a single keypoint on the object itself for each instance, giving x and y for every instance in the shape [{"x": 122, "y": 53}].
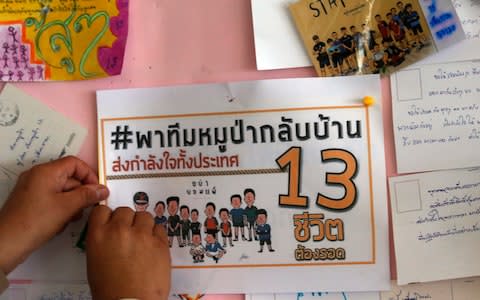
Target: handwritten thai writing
[
  {"x": 332, "y": 229},
  {"x": 306, "y": 254},
  {"x": 430, "y": 236},
  {"x": 467, "y": 11},
  {"x": 465, "y": 199},
  {"x": 178, "y": 161},
  {"x": 238, "y": 133},
  {"x": 451, "y": 188}
]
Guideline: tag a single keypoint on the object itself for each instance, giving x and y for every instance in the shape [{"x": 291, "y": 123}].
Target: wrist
[{"x": 12, "y": 249}]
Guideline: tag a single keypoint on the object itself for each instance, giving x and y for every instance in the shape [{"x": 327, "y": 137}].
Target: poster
[
  {"x": 62, "y": 39},
  {"x": 263, "y": 186}
]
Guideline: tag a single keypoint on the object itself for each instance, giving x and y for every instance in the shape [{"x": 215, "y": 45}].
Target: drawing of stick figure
[
  {"x": 14, "y": 48},
  {"x": 40, "y": 72},
  {"x": 17, "y": 62},
  {"x": 10, "y": 75},
  {"x": 5, "y": 48},
  {"x": 13, "y": 33},
  {"x": 25, "y": 60},
  {"x": 5, "y": 61},
  {"x": 20, "y": 75},
  {"x": 31, "y": 73},
  {"x": 23, "y": 50}
]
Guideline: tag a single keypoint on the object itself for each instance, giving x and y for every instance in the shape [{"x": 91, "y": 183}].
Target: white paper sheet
[
  {"x": 316, "y": 296},
  {"x": 124, "y": 122},
  {"x": 468, "y": 12},
  {"x": 436, "y": 117},
  {"x": 436, "y": 225},
  {"x": 277, "y": 42},
  {"x": 32, "y": 133},
  {"x": 458, "y": 289}
]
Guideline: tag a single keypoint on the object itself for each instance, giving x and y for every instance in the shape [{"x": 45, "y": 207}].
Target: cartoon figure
[
  {"x": 173, "y": 222},
  {"x": 195, "y": 226},
  {"x": 250, "y": 213},
  {"x": 237, "y": 216},
  {"x": 225, "y": 226},
  {"x": 213, "y": 248},
  {"x": 159, "y": 211},
  {"x": 211, "y": 223},
  {"x": 140, "y": 201},
  {"x": 264, "y": 230},
  {"x": 197, "y": 251},
  {"x": 185, "y": 223}
]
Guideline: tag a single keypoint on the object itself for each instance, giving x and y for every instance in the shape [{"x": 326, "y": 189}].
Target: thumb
[{"x": 85, "y": 196}]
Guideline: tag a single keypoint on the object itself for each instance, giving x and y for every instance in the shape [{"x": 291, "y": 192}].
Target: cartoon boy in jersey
[
  {"x": 264, "y": 230},
  {"x": 237, "y": 216},
  {"x": 197, "y": 251},
  {"x": 250, "y": 213},
  {"x": 140, "y": 201},
  {"x": 173, "y": 222},
  {"x": 211, "y": 223},
  {"x": 225, "y": 227},
  {"x": 159, "y": 214},
  {"x": 195, "y": 226},
  {"x": 185, "y": 223},
  {"x": 213, "y": 248}
]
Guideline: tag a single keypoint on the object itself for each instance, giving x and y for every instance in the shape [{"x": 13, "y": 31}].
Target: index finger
[{"x": 72, "y": 167}]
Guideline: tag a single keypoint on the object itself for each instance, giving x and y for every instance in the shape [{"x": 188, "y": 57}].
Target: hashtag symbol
[{"x": 120, "y": 137}]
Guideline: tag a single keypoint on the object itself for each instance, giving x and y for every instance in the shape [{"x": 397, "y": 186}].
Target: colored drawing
[{"x": 62, "y": 39}]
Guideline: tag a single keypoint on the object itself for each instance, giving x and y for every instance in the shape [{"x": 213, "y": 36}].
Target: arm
[{"x": 62, "y": 189}]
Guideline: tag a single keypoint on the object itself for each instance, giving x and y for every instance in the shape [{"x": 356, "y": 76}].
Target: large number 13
[{"x": 292, "y": 158}]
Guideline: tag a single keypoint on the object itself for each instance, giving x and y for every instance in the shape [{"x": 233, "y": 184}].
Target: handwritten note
[
  {"x": 32, "y": 133},
  {"x": 436, "y": 117},
  {"x": 459, "y": 289},
  {"x": 436, "y": 225},
  {"x": 316, "y": 296},
  {"x": 468, "y": 12}
]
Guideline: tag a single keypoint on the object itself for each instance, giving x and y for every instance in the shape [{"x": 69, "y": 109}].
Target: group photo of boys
[
  {"x": 397, "y": 36},
  {"x": 211, "y": 238}
]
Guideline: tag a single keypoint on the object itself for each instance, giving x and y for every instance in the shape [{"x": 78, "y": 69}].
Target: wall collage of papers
[{"x": 268, "y": 192}]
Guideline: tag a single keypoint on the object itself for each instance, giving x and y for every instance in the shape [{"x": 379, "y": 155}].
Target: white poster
[{"x": 266, "y": 186}]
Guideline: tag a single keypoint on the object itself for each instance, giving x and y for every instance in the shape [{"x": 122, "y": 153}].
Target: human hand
[
  {"x": 127, "y": 255},
  {"x": 42, "y": 203}
]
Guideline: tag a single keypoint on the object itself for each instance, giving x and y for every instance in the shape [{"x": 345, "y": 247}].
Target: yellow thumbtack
[{"x": 368, "y": 100}]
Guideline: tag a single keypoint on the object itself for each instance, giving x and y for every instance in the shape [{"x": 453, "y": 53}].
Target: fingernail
[{"x": 102, "y": 193}]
